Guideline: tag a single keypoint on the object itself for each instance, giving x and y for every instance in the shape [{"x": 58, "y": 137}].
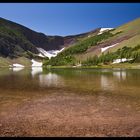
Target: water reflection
[
  {"x": 121, "y": 75},
  {"x": 36, "y": 70},
  {"x": 50, "y": 79},
  {"x": 16, "y": 69},
  {"x": 107, "y": 82},
  {"x": 112, "y": 80},
  {"x": 89, "y": 80}
]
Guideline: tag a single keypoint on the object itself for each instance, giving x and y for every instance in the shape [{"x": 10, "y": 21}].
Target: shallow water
[{"x": 69, "y": 102}]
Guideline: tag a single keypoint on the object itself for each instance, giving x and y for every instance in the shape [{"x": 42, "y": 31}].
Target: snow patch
[
  {"x": 18, "y": 65},
  {"x": 104, "y": 29},
  {"x": 44, "y": 53},
  {"x": 105, "y": 48},
  {"x": 41, "y": 55},
  {"x": 49, "y": 54},
  {"x": 121, "y": 60},
  {"x": 36, "y": 64}
]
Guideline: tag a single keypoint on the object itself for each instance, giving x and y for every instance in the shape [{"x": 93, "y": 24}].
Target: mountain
[
  {"x": 125, "y": 35},
  {"x": 19, "y": 44},
  {"x": 104, "y": 47},
  {"x": 16, "y": 40}
]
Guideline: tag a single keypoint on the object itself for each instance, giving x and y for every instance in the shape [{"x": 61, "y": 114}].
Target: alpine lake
[{"x": 69, "y": 102}]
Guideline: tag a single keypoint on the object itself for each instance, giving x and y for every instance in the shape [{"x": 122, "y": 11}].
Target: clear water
[{"x": 109, "y": 96}]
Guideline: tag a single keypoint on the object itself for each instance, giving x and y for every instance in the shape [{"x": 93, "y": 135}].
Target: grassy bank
[
  {"x": 5, "y": 62},
  {"x": 120, "y": 65}
]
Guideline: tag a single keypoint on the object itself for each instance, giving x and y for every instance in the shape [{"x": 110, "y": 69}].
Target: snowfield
[
  {"x": 41, "y": 55},
  {"x": 107, "y": 47},
  {"x": 121, "y": 60},
  {"x": 36, "y": 64},
  {"x": 104, "y": 29},
  {"x": 18, "y": 65},
  {"x": 49, "y": 54}
]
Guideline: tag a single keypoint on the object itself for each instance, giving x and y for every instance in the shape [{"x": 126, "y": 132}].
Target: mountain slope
[
  {"x": 128, "y": 35},
  {"x": 110, "y": 41},
  {"x": 17, "y": 40}
]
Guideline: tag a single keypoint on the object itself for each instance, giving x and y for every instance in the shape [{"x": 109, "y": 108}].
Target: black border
[{"x": 67, "y": 1}]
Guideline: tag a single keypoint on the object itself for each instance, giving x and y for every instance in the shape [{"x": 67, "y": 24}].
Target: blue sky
[{"x": 69, "y": 18}]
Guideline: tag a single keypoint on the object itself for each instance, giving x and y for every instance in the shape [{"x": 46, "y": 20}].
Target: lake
[{"x": 69, "y": 102}]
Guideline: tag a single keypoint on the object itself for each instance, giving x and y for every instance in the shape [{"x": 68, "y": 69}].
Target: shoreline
[{"x": 121, "y": 66}]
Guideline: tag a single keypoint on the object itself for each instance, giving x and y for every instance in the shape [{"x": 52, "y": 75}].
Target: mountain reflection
[
  {"x": 36, "y": 70},
  {"x": 107, "y": 82},
  {"x": 17, "y": 69},
  {"x": 49, "y": 79},
  {"x": 121, "y": 75}
]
